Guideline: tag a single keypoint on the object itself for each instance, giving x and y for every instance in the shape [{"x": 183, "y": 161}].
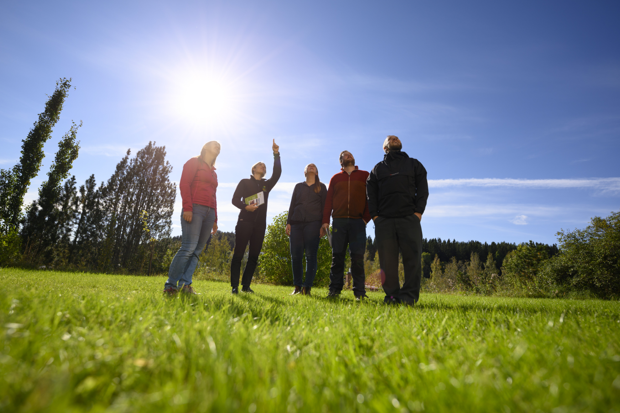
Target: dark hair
[{"x": 342, "y": 153}]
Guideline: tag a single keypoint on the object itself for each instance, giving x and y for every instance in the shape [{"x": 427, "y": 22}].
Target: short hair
[
  {"x": 256, "y": 164},
  {"x": 342, "y": 153},
  {"x": 386, "y": 142}
]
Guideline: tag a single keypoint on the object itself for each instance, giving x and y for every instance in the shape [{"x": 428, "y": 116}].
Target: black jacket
[
  {"x": 249, "y": 187},
  {"x": 306, "y": 205},
  {"x": 397, "y": 187}
]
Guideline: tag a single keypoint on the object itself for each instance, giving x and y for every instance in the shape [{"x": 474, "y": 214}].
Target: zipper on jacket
[{"x": 349, "y": 197}]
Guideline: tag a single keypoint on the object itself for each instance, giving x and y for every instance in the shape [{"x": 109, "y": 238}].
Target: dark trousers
[
  {"x": 254, "y": 234},
  {"x": 351, "y": 232},
  {"x": 404, "y": 235},
  {"x": 304, "y": 237}
]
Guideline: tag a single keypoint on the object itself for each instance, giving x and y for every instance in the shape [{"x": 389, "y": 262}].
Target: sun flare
[{"x": 204, "y": 99}]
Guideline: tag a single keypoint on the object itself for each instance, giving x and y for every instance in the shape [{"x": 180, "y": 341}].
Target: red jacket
[
  {"x": 346, "y": 196},
  {"x": 198, "y": 185}
]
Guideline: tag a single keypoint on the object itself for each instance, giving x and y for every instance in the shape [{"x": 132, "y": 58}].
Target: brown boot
[
  {"x": 297, "y": 290},
  {"x": 306, "y": 290}
]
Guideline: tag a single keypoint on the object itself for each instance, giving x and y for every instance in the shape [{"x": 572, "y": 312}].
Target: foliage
[
  {"x": 522, "y": 271},
  {"x": 75, "y": 343},
  {"x": 48, "y": 220},
  {"x": 275, "y": 260},
  {"x": 214, "y": 261},
  {"x": 589, "y": 259},
  {"x": 15, "y": 183},
  {"x": 10, "y": 248},
  {"x": 139, "y": 184}
]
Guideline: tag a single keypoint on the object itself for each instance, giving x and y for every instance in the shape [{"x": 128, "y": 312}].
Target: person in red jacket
[
  {"x": 198, "y": 217},
  {"x": 346, "y": 202}
]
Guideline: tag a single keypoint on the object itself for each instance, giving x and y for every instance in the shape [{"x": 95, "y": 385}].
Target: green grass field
[{"x": 84, "y": 342}]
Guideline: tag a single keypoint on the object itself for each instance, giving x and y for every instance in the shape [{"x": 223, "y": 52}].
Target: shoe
[
  {"x": 247, "y": 290},
  {"x": 170, "y": 291},
  {"x": 333, "y": 294},
  {"x": 361, "y": 297},
  {"x": 187, "y": 289},
  {"x": 235, "y": 290},
  {"x": 298, "y": 290},
  {"x": 306, "y": 290},
  {"x": 391, "y": 300},
  {"x": 409, "y": 303}
]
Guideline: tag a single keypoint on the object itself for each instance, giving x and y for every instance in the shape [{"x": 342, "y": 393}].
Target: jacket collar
[
  {"x": 393, "y": 155},
  {"x": 356, "y": 168}
]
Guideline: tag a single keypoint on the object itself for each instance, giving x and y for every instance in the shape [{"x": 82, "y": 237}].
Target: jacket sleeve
[
  {"x": 323, "y": 196},
  {"x": 327, "y": 209},
  {"x": 189, "y": 172},
  {"x": 292, "y": 207},
  {"x": 421, "y": 187},
  {"x": 236, "y": 200},
  {"x": 277, "y": 171},
  {"x": 372, "y": 193}
]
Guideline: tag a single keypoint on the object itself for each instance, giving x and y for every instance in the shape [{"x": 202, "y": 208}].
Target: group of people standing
[{"x": 393, "y": 195}]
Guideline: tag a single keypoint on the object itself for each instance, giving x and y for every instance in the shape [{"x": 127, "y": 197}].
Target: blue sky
[{"x": 513, "y": 107}]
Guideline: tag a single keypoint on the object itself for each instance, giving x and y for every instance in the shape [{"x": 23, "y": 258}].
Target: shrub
[
  {"x": 589, "y": 259},
  {"x": 522, "y": 271},
  {"x": 10, "y": 246}
]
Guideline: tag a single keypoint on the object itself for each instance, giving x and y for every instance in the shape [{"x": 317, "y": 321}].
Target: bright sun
[{"x": 203, "y": 99}]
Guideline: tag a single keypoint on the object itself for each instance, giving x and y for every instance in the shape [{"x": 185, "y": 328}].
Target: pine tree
[{"x": 15, "y": 183}]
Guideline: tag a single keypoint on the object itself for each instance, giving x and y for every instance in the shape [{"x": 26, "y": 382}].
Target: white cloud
[
  {"x": 3, "y": 161},
  {"x": 519, "y": 220},
  {"x": 488, "y": 210},
  {"x": 604, "y": 184}
]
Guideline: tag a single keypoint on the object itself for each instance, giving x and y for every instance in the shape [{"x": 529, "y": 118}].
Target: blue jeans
[
  {"x": 194, "y": 237},
  {"x": 305, "y": 237},
  {"x": 351, "y": 232}
]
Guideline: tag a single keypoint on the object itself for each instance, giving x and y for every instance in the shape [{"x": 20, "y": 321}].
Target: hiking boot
[
  {"x": 306, "y": 290},
  {"x": 298, "y": 290},
  {"x": 391, "y": 300},
  {"x": 170, "y": 291},
  {"x": 235, "y": 290},
  {"x": 187, "y": 289},
  {"x": 247, "y": 290},
  {"x": 333, "y": 294}
]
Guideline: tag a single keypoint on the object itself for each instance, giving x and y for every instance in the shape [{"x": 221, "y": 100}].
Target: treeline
[{"x": 445, "y": 250}]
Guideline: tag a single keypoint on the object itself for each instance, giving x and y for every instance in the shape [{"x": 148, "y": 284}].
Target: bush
[
  {"x": 522, "y": 271},
  {"x": 275, "y": 260},
  {"x": 10, "y": 246},
  {"x": 589, "y": 259}
]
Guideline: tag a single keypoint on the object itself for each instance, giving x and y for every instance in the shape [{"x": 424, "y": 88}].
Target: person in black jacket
[
  {"x": 397, "y": 191},
  {"x": 303, "y": 226},
  {"x": 251, "y": 197}
]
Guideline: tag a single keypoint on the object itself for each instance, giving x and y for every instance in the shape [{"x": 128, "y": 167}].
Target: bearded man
[{"x": 346, "y": 202}]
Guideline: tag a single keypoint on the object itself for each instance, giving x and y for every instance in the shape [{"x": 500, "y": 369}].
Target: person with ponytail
[
  {"x": 303, "y": 227},
  {"x": 198, "y": 217}
]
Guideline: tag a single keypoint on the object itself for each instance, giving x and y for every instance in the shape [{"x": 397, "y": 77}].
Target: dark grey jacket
[
  {"x": 397, "y": 187},
  {"x": 306, "y": 205}
]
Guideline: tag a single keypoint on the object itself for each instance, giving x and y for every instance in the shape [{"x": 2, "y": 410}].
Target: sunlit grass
[{"x": 77, "y": 342}]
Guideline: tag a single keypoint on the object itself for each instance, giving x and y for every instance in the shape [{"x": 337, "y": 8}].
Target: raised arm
[{"x": 277, "y": 168}]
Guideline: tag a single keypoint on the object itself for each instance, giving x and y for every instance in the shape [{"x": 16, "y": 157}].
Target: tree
[
  {"x": 15, "y": 183},
  {"x": 589, "y": 259},
  {"x": 46, "y": 220},
  {"x": 436, "y": 269},
  {"x": 139, "y": 184},
  {"x": 522, "y": 267},
  {"x": 426, "y": 264}
]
